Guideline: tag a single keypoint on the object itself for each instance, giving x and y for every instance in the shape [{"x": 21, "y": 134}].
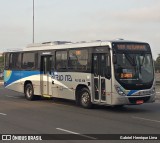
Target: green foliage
[
  {"x": 1, "y": 59},
  {"x": 1, "y": 63},
  {"x": 157, "y": 63}
]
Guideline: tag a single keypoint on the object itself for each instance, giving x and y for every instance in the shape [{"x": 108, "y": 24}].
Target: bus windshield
[{"x": 134, "y": 70}]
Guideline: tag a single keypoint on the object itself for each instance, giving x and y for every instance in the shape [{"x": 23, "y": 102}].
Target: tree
[
  {"x": 157, "y": 63},
  {"x": 1, "y": 63}
]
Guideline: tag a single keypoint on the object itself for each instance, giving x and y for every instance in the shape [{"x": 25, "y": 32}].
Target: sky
[{"x": 79, "y": 20}]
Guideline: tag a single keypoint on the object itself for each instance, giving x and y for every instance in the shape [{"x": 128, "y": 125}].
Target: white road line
[
  {"x": 3, "y": 114},
  {"x": 158, "y": 92},
  {"x": 76, "y": 133},
  {"x": 146, "y": 119}
]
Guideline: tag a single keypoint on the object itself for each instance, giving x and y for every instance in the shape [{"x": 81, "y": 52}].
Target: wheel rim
[
  {"x": 29, "y": 92},
  {"x": 85, "y": 98}
]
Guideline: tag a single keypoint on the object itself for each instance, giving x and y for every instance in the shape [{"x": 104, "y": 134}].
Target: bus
[{"x": 112, "y": 73}]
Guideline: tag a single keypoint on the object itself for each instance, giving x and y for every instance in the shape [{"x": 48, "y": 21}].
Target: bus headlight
[{"x": 120, "y": 91}]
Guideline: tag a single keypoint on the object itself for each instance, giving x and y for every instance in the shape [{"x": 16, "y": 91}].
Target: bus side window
[
  {"x": 18, "y": 61},
  {"x": 28, "y": 61},
  {"x": 11, "y": 60},
  {"x": 7, "y": 61},
  {"x": 61, "y": 60},
  {"x": 72, "y": 63},
  {"x": 78, "y": 60}
]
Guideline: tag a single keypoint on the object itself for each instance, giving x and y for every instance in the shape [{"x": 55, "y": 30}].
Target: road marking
[
  {"x": 3, "y": 114},
  {"x": 146, "y": 119},
  {"x": 76, "y": 133},
  {"x": 158, "y": 92}
]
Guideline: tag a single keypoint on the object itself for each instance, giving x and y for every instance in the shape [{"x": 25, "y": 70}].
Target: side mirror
[{"x": 114, "y": 59}]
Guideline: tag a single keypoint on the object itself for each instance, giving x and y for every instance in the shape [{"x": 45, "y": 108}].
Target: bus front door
[
  {"x": 102, "y": 85},
  {"x": 46, "y": 62}
]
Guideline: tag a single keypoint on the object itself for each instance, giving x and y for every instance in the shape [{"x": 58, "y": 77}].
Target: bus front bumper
[{"x": 132, "y": 100}]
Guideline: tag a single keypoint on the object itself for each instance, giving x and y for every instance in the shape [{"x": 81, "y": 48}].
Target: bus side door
[
  {"x": 46, "y": 81},
  {"x": 102, "y": 85}
]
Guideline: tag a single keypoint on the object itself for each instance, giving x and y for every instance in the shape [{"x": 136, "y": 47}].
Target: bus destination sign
[{"x": 132, "y": 47}]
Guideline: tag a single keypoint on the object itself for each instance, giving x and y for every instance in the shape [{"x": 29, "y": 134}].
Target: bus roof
[
  {"x": 63, "y": 45},
  {"x": 68, "y": 44}
]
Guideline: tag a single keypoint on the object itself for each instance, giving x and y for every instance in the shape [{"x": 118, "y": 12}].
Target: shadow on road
[{"x": 116, "y": 109}]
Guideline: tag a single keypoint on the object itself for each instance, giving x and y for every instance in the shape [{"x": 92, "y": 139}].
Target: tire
[
  {"x": 85, "y": 98},
  {"x": 77, "y": 99},
  {"x": 29, "y": 92}
]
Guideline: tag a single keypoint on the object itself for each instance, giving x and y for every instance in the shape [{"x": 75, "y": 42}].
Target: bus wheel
[
  {"x": 85, "y": 98},
  {"x": 29, "y": 92}
]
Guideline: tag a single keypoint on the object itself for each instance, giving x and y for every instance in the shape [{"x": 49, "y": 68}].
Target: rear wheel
[
  {"x": 85, "y": 98},
  {"x": 29, "y": 92}
]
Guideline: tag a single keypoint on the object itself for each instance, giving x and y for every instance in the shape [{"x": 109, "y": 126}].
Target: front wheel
[
  {"x": 85, "y": 98},
  {"x": 29, "y": 92}
]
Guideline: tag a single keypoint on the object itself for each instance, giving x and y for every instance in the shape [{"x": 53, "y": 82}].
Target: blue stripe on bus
[
  {"x": 17, "y": 75},
  {"x": 132, "y": 92}
]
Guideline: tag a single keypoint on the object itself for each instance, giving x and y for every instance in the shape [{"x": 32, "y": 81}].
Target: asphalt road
[{"x": 19, "y": 116}]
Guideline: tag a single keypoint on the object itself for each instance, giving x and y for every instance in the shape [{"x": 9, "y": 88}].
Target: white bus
[{"x": 112, "y": 73}]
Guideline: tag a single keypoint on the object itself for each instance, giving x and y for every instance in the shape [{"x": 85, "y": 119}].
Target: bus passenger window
[
  {"x": 78, "y": 60},
  {"x": 61, "y": 60},
  {"x": 7, "y": 61},
  {"x": 28, "y": 61},
  {"x": 14, "y": 60}
]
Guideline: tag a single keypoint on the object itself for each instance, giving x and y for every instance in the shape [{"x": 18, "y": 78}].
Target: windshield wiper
[
  {"x": 131, "y": 61},
  {"x": 141, "y": 63}
]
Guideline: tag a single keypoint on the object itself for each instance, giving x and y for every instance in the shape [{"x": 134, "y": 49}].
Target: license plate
[{"x": 139, "y": 102}]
